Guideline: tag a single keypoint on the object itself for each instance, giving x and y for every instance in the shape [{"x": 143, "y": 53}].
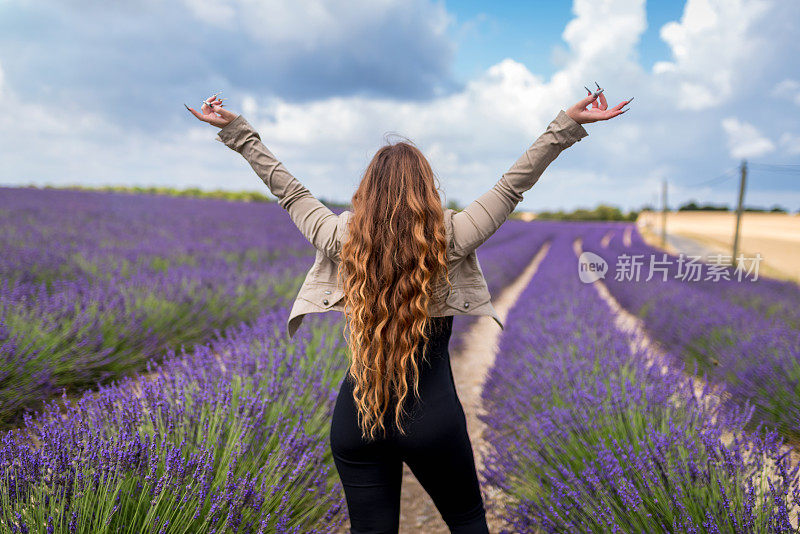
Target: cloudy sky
[{"x": 93, "y": 93}]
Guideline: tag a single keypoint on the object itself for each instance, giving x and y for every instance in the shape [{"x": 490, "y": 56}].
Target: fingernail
[
  {"x": 187, "y": 107},
  {"x": 631, "y": 100}
]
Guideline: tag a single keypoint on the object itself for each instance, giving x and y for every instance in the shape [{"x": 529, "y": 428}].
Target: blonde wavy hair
[{"x": 390, "y": 267}]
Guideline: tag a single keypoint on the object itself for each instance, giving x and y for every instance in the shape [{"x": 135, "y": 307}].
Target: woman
[{"x": 399, "y": 273}]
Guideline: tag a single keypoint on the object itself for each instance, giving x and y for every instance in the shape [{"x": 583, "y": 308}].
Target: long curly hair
[{"x": 391, "y": 264}]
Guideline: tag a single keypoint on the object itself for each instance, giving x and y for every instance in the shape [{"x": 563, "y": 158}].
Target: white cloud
[
  {"x": 744, "y": 139},
  {"x": 221, "y": 13},
  {"x": 788, "y": 89},
  {"x": 710, "y": 45},
  {"x": 790, "y": 143},
  {"x": 623, "y": 22}
]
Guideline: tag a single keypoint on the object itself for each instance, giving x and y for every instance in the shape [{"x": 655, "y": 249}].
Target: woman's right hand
[
  {"x": 213, "y": 113},
  {"x": 598, "y": 111}
]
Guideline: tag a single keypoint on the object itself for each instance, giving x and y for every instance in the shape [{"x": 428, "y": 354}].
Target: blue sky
[{"x": 94, "y": 93}]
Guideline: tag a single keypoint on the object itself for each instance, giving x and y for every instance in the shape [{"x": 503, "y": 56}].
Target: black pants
[{"x": 436, "y": 448}]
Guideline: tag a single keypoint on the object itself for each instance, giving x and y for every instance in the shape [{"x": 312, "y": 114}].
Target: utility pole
[
  {"x": 664, "y": 213},
  {"x": 739, "y": 209}
]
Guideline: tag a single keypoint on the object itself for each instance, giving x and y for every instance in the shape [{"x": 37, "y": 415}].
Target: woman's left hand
[{"x": 213, "y": 112}]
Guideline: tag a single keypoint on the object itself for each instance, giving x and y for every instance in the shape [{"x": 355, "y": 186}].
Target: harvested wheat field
[{"x": 776, "y": 236}]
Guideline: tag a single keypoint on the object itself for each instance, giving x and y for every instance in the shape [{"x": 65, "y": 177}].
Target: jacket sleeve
[
  {"x": 315, "y": 220},
  {"x": 480, "y": 219}
]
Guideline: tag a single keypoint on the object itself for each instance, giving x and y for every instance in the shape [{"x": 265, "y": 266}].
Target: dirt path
[
  {"x": 626, "y": 237},
  {"x": 607, "y": 239},
  {"x": 470, "y": 366}
]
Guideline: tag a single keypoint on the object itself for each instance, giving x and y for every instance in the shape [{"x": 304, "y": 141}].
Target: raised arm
[
  {"x": 315, "y": 220},
  {"x": 484, "y": 215},
  {"x": 481, "y": 218}
]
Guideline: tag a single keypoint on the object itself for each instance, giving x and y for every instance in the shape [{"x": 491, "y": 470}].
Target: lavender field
[
  {"x": 94, "y": 284},
  {"x": 590, "y": 433},
  {"x": 148, "y": 385}
]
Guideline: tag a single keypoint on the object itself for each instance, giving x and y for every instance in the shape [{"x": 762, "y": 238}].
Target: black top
[{"x": 435, "y": 371}]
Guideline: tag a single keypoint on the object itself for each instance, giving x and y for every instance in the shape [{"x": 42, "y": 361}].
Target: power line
[
  {"x": 724, "y": 176},
  {"x": 789, "y": 168},
  {"x": 776, "y": 164},
  {"x": 777, "y": 168}
]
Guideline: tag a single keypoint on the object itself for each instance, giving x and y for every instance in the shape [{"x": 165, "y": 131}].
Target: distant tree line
[
  {"x": 241, "y": 196},
  {"x": 247, "y": 196},
  {"x": 694, "y": 206},
  {"x": 603, "y": 212}
]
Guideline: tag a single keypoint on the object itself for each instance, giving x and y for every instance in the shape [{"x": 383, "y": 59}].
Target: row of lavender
[
  {"x": 93, "y": 284},
  {"x": 587, "y": 436},
  {"x": 745, "y": 334},
  {"x": 228, "y": 436}
]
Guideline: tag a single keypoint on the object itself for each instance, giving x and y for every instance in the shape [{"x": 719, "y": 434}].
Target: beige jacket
[{"x": 466, "y": 230}]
